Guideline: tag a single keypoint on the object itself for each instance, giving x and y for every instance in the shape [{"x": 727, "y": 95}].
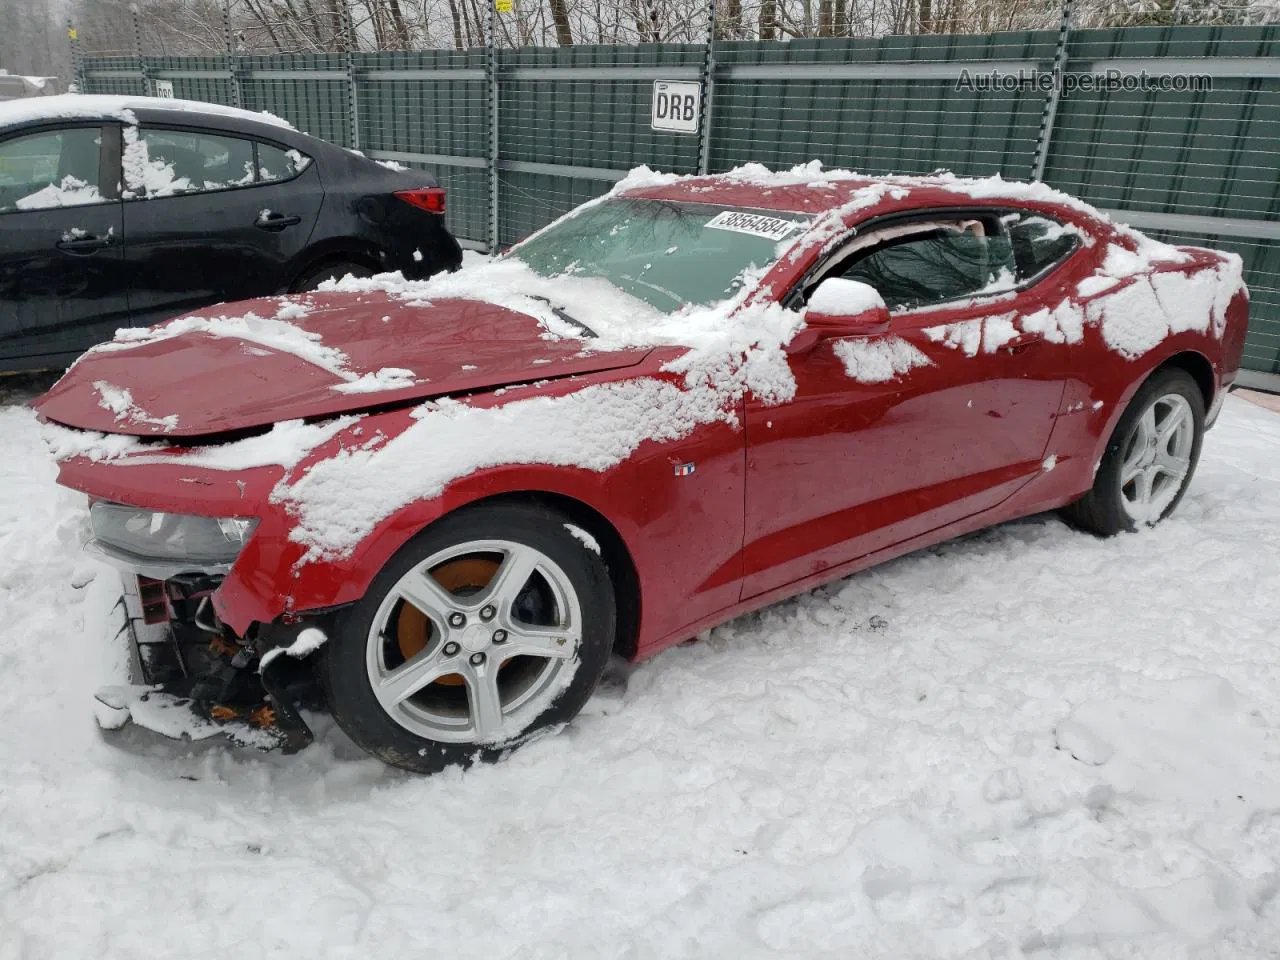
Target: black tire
[
  {"x": 1101, "y": 511},
  {"x": 342, "y": 667},
  {"x": 312, "y": 279}
]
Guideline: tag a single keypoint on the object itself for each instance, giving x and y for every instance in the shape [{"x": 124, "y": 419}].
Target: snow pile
[
  {"x": 307, "y": 642},
  {"x": 144, "y": 176},
  {"x": 65, "y": 443},
  {"x": 298, "y": 162},
  {"x": 275, "y": 333},
  {"x": 816, "y": 177},
  {"x": 878, "y": 360},
  {"x": 92, "y": 107},
  {"x": 965, "y": 335},
  {"x": 119, "y": 401},
  {"x": 845, "y": 298},
  {"x": 71, "y": 192},
  {"x": 1063, "y": 324},
  {"x": 285, "y": 444},
  {"x": 387, "y": 378},
  {"x": 1142, "y": 312},
  {"x": 595, "y": 428},
  {"x": 881, "y": 768}
]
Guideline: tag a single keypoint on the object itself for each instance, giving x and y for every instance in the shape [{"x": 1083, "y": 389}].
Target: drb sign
[{"x": 677, "y": 105}]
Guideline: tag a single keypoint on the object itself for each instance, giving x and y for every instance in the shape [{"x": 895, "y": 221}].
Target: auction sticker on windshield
[{"x": 758, "y": 225}]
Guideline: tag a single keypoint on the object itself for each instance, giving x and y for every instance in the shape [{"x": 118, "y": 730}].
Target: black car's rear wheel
[
  {"x": 493, "y": 624},
  {"x": 312, "y": 279}
]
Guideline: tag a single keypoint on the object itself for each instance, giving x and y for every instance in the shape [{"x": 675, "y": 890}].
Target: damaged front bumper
[{"x": 190, "y": 677}]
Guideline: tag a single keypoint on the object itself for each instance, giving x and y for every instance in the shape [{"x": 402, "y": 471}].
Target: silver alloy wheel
[
  {"x": 481, "y": 639},
  {"x": 1157, "y": 458}
]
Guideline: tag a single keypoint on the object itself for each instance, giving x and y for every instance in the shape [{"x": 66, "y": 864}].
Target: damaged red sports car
[{"x": 436, "y": 508}]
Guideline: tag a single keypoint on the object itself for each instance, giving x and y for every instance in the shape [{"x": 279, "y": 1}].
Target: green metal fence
[{"x": 518, "y": 137}]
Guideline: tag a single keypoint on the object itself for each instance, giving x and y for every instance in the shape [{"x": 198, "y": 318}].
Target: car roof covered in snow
[
  {"x": 71, "y": 106},
  {"x": 809, "y": 189}
]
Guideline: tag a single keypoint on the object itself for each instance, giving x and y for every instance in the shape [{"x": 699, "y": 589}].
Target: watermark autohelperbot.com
[{"x": 1102, "y": 81}]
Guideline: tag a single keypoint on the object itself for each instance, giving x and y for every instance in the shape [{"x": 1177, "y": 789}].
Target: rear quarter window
[
  {"x": 275, "y": 164},
  {"x": 1039, "y": 242}
]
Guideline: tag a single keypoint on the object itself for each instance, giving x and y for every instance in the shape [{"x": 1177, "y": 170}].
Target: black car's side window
[
  {"x": 951, "y": 262},
  {"x": 167, "y": 162},
  {"x": 275, "y": 165},
  {"x": 1038, "y": 242},
  {"x": 53, "y": 168}
]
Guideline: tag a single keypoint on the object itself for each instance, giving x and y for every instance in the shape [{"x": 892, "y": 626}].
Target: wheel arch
[
  {"x": 335, "y": 251},
  {"x": 1201, "y": 370},
  {"x": 346, "y": 580},
  {"x": 1188, "y": 359},
  {"x": 614, "y": 552}
]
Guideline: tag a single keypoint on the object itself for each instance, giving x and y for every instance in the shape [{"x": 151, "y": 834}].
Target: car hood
[{"x": 226, "y": 369}]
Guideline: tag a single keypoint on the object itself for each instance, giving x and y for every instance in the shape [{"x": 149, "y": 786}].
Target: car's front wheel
[
  {"x": 494, "y": 623},
  {"x": 1150, "y": 458}
]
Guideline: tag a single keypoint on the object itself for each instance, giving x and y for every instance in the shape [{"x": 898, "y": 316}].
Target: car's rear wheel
[
  {"x": 1150, "y": 459},
  {"x": 336, "y": 270},
  {"x": 493, "y": 624}
]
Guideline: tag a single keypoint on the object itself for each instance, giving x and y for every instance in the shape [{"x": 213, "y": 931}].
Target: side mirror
[{"x": 841, "y": 308}]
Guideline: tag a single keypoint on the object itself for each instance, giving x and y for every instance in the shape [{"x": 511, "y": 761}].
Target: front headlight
[{"x": 170, "y": 536}]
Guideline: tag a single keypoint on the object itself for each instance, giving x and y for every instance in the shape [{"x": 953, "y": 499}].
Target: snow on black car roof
[{"x": 97, "y": 106}]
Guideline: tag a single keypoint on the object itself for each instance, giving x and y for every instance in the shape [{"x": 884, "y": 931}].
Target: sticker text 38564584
[{"x": 756, "y": 224}]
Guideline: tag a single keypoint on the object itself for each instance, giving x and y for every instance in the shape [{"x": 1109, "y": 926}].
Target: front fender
[{"x": 274, "y": 577}]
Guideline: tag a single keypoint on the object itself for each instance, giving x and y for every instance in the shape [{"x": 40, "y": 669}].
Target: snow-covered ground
[{"x": 1026, "y": 743}]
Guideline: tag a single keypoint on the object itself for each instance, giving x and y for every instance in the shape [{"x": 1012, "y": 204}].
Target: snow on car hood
[{"x": 307, "y": 357}]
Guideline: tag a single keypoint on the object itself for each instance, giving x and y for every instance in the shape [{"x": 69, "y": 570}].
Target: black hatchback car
[{"x": 120, "y": 211}]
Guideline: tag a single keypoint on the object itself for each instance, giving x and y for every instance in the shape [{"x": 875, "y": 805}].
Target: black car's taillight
[{"x": 430, "y": 199}]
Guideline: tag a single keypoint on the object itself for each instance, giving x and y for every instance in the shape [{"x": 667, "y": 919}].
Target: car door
[
  {"x": 892, "y": 436},
  {"x": 61, "y": 233},
  {"x": 212, "y": 217}
]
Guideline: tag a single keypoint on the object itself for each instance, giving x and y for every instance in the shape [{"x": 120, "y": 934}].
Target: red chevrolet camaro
[{"x": 437, "y": 507}]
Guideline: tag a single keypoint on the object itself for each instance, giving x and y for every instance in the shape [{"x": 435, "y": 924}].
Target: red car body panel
[
  {"x": 843, "y": 476},
  {"x": 219, "y": 384}
]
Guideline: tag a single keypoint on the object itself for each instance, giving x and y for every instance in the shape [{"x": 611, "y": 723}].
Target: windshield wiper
[{"x": 561, "y": 314}]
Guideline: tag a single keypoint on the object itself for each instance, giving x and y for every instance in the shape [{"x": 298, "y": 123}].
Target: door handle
[
  {"x": 85, "y": 245},
  {"x": 1019, "y": 344},
  {"x": 268, "y": 220}
]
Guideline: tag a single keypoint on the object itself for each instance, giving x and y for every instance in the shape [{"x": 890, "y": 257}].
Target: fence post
[
  {"x": 77, "y": 62},
  {"x": 491, "y": 69},
  {"x": 708, "y": 90},
  {"x": 232, "y": 69},
  {"x": 148, "y": 89},
  {"x": 137, "y": 51},
  {"x": 1045, "y": 137},
  {"x": 353, "y": 97}
]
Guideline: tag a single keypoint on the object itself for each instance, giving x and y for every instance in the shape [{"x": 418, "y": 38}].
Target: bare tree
[{"x": 278, "y": 26}]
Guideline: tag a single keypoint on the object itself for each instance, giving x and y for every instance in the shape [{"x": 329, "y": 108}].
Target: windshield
[{"x": 667, "y": 254}]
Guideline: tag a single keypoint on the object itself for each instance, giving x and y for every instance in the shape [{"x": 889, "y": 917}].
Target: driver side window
[{"x": 952, "y": 261}]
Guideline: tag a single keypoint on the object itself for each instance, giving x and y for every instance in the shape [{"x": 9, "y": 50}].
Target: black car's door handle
[
  {"x": 275, "y": 221},
  {"x": 85, "y": 245}
]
